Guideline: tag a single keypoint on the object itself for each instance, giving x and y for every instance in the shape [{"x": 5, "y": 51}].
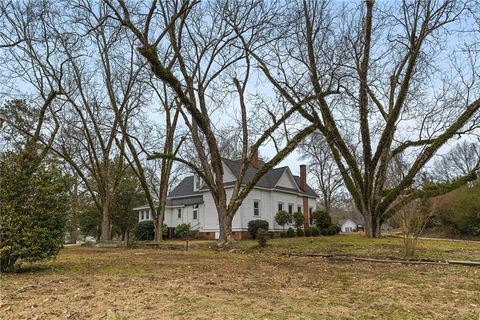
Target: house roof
[
  {"x": 358, "y": 222},
  {"x": 184, "y": 188},
  {"x": 185, "y": 201},
  {"x": 268, "y": 181},
  {"x": 176, "y": 202}
]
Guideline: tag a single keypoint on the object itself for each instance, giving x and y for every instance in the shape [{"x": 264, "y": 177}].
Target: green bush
[
  {"x": 262, "y": 237},
  {"x": 457, "y": 213},
  {"x": 308, "y": 232},
  {"x": 164, "y": 230},
  {"x": 331, "y": 230},
  {"x": 322, "y": 219},
  {"x": 145, "y": 230},
  {"x": 33, "y": 206},
  {"x": 315, "y": 231},
  {"x": 254, "y": 225},
  {"x": 290, "y": 233},
  {"x": 282, "y": 218},
  {"x": 183, "y": 230},
  {"x": 298, "y": 219},
  {"x": 300, "y": 232},
  {"x": 465, "y": 207},
  {"x": 336, "y": 228}
]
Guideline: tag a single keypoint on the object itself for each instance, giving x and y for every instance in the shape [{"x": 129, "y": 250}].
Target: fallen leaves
[{"x": 219, "y": 285}]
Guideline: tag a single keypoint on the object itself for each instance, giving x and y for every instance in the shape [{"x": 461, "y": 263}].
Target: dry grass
[
  {"x": 387, "y": 247},
  {"x": 90, "y": 283}
]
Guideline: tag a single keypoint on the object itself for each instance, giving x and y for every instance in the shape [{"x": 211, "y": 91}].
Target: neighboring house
[
  {"x": 350, "y": 225},
  {"x": 191, "y": 202},
  {"x": 354, "y": 225}
]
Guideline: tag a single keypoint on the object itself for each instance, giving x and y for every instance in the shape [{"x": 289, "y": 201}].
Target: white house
[
  {"x": 191, "y": 202},
  {"x": 350, "y": 225}
]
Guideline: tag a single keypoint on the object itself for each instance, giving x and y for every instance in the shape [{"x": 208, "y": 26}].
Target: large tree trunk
[
  {"x": 158, "y": 223},
  {"x": 377, "y": 229},
  {"x": 106, "y": 232},
  {"x": 73, "y": 235},
  {"x": 225, "y": 222},
  {"x": 225, "y": 219},
  {"x": 126, "y": 237},
  {"x": 164, "y": 179},
  {"x": 367, "y": 217},
  {"x": 74, "y": 219},
  {"x": 372, "y": 226}
]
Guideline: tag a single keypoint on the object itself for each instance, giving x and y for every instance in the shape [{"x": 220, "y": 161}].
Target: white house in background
[
  {"x": 350, "y": 225},
  {"x": 191, "y": 202}
]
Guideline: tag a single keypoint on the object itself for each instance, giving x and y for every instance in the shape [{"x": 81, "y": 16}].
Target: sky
[{"x": 260, "y": 85}]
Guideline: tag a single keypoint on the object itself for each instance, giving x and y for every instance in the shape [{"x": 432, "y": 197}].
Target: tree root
[{"x": 399, "y": 261}]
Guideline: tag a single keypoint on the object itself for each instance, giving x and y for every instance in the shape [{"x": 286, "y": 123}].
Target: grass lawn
[
  {"x": 387, "y": 247},
  {"x": 93, "y": 283}
]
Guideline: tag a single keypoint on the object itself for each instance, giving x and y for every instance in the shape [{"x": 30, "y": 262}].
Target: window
[
  {"x": 196, "y": 182},
  {"x": 179, "y": 213},
  {"x": 280, "y": 206},
  {"x": 256, "y": 208},
  {"x": 299, "y": 209},
  {"x": 141, "y": 215},
  {"x": 310, "y": 211},
  {"x": 195, "y": 211},
  {"x": 147, "y": 215},
  {"x": 290, "y": 208}
]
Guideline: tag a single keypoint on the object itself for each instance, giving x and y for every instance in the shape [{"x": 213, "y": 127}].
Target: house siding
[
  {"x": 269, "y": 199},
  {"x": 207, "y": 212},
  {"x": 286, "y": 180},
  {"x": 348, "y": 224}
]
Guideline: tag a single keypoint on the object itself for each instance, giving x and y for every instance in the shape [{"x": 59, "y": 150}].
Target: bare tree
[
  {"x": 56, "y": 54},
  {"x": 379, "y": 71},
  {"x": 124, "y": 74},
  {"x": 155, "y": 186},
  {"x": 106, "y": 93},
  {"x": 327, "y": 179},
  {"x": 462, "y": 159},
  {"x": 25, "y": 82},
  {"x": 197, "y": 48},
  {"x": 412, "y": 219},
  {"x": 7, "y": 39}
]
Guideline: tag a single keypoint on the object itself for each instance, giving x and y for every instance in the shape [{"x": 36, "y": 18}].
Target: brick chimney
[
  {"x": 255, "y": 159},
  {"x": 303, "y": 187},
  {"x": 303, "y": 177}
]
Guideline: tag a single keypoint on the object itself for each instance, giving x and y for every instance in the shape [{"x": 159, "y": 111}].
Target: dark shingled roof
[
  {"x": 309, "y": 191},
  {"x": 184, "y": 188},
  {"x": 267, "y": 181},
  {"x": 182, "y": 201},
  {"x": 186, "y": 201}
]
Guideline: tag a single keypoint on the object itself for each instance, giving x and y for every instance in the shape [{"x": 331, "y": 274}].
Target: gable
[
  {"x": 227, "y": 173},
  {"x": 280, "y": 179},
  {"x": 348, "y": 223},
  {"x": 184, "y": 188},
  {"x": 286, "y": 180}
]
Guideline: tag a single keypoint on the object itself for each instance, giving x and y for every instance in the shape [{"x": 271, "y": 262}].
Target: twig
[
  {"x": 23, "y": 289},
  {"x": 411, "y": 262}
]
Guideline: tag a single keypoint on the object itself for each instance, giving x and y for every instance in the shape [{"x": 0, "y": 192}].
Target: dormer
[{"x": 197, "y": 182}]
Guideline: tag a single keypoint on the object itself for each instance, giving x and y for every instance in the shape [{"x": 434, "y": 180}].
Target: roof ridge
[{"x": 268, "y": 180}]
